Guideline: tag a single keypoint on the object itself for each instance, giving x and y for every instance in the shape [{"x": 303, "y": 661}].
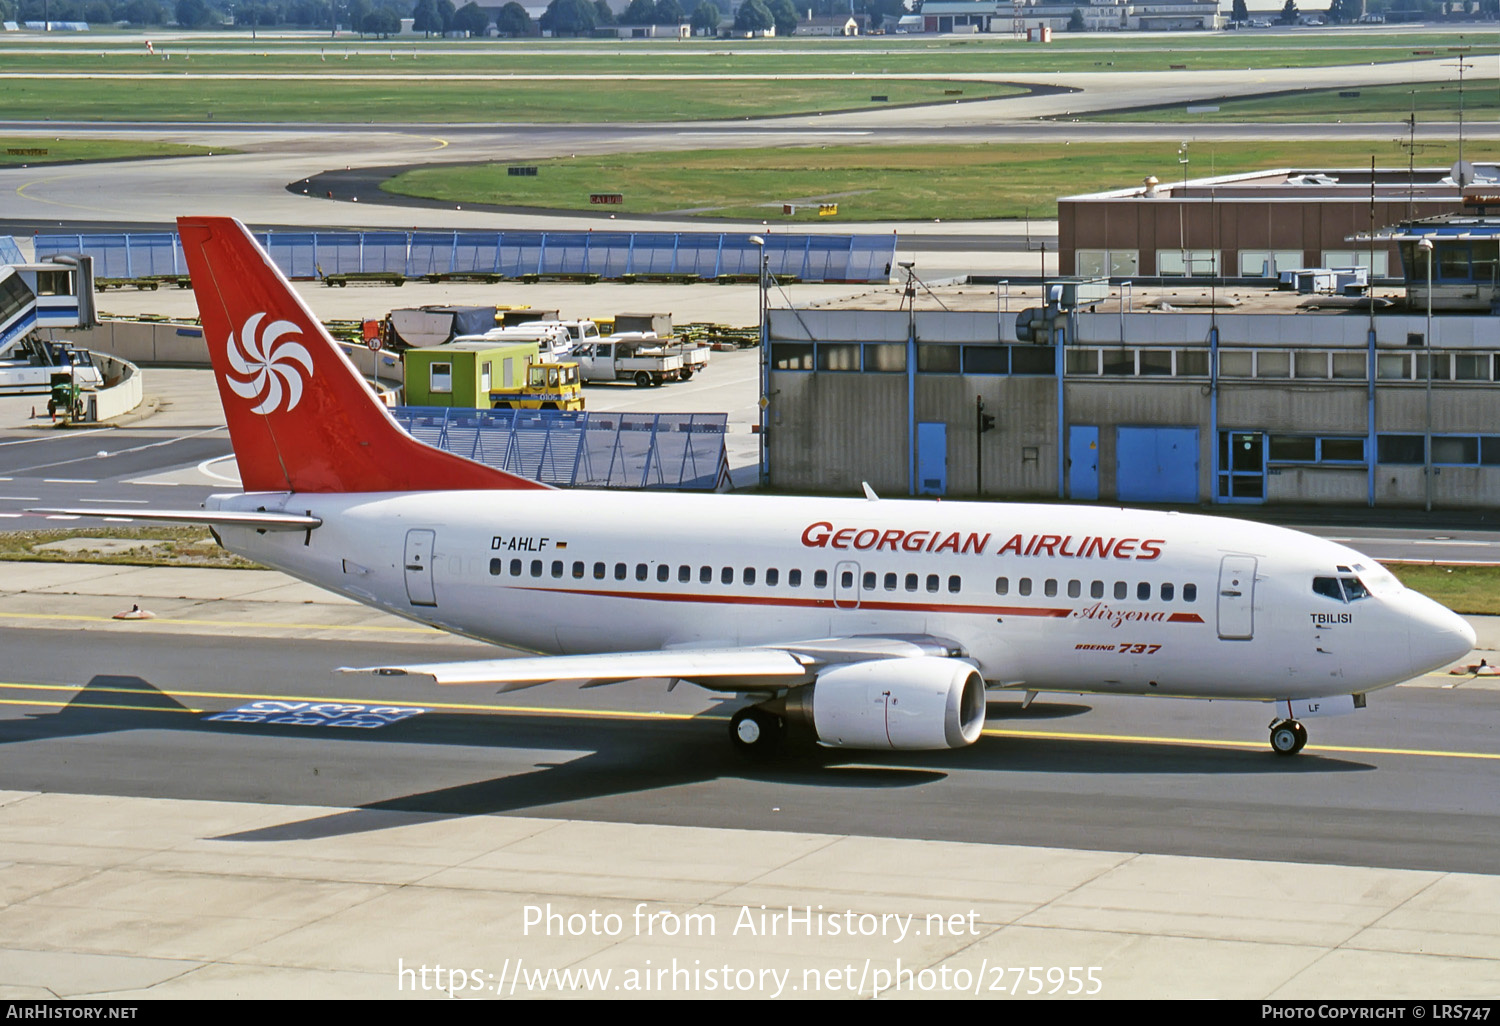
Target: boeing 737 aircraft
[{"x": 873, "y": 623}]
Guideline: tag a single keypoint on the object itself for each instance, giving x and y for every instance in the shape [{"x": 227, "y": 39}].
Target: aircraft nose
[{"x": 1438, "y": 637}]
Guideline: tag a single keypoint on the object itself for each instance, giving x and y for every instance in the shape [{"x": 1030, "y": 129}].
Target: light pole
[
  {"x": 762, "y": 265},
  {"x": 1425, "y": 247}
]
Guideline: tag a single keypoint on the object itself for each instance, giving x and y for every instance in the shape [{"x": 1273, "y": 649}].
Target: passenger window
[
  {"x": 598, "y": 571},
  {"x": 1328, "y": 587},
  {"x": 726, "y": 575},
  {"x": 706, "y": 575},
  {"x": 794, "y": 578},
  {"x": 932, "y": 583},
  {"x": 1143, "y": 591},
  {"x": 515, "y": 568},
  {"x": 1354, "y": 589},
  {"x": 536, "y": 568},
  {"x": 620, "y": 571},
  {"x": 1002, "y": 585},
  {"x": 1096, "y": 590},
  {"x": 663, "y": 572},
  {"x": 846, "y": 579},
  {"x": 869, "y": 582},
  {"x": 911, "y": 582},
  {"x": 749, "y": 575},
  {"x": 955, "y": 584},
  {"x": 496, "y": 566},
  {"x": 1190, "y": 593},
  {"x": 578, "y": 569},
  {"x": 557, "y": 568},
  {"x": 1121, "y": 589},
  {"x": 820, "y": 579},
  {"x": 1050, "y": 588},
  {"x": 772, "y": 576},
  {"x": 642, "y": 571},
  {"x": 1025, "y": 586},
  {"x": 1075, "y": 589},
  {"x": 890, "y": 582},
  {"x": 684, "y": 573},
  {"x": 1166, "y": 592}
]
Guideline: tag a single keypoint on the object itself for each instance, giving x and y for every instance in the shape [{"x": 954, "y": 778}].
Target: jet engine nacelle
[{"x": 914, "y": 704}]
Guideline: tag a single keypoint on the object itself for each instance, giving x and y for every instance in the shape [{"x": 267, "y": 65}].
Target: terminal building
[
  {"x": 1200, "y": 393},
  {"x": 1253, "y": 225},
  {"x": 1014, "y": 16}
]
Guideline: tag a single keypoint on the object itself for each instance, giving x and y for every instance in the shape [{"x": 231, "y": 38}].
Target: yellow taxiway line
[{"x": 626, "y": 714}]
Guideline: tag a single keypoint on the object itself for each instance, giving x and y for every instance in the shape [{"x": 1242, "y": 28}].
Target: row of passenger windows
[
  {"x": 870, "y": 581},
  {"x": 622, "y": 572},
  {"x": 1121, "y": 589}
]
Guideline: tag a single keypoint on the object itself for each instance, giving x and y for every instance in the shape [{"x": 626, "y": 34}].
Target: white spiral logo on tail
[{"x": 268, "y": 365}]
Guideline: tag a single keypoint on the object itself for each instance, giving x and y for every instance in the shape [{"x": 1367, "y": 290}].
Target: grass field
[
  {"x": 1464, "y": 589},
  {"x": 17, "y": 150},
  {"x": 878, "y": 182},
  {"x": 410, "y": 83},
  {"x": 146, "y": 546},
  {"x": 1432, "y": 101},
  {"x": 409, "y": 99},
  {"x": 873, "y": 55}
]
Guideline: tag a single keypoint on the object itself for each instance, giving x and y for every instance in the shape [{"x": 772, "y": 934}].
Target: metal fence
[
  {"x": 830, "y": 258},
  {"x": 676, "y": 451}
]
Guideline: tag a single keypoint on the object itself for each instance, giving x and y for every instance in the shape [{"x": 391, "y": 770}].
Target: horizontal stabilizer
[
  {"x": 691, "y": 664},
  {"x": 214, "y": 518}
]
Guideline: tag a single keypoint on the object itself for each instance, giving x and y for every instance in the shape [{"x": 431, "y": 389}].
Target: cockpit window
[{"x": 1341, "y": 589}]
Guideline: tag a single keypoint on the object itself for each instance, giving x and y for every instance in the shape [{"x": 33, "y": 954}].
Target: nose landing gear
[{"x": 1287, "y": 737}]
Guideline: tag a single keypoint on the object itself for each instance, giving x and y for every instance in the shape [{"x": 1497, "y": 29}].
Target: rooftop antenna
[
  {"x": 1462, "y": 66},
  {"x": 1182, "y": 158}
]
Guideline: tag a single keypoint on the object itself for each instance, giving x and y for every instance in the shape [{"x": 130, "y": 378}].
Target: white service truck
[
  {"x": 627, "y": 359},
  {"x": 694, "y": 357}
]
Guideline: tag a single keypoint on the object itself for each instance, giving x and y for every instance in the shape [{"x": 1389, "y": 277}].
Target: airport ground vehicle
[
  {"x": 548, "y": 386},
  {"x": 629, "y": 359},
  {"x": 36, "y": 366},
  {"x": 490, "y": 374},
  {"x": 866, "y": 623}
]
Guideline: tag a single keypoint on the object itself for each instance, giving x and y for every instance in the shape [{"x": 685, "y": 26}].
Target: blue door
[
  {"x": 1156, "y": 464},
  {"x": 1083, "y": 461},
  {"x": 932, "y": 459}
]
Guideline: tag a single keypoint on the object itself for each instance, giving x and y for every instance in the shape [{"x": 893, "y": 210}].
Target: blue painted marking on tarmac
[{"x": 317, "y": 714}]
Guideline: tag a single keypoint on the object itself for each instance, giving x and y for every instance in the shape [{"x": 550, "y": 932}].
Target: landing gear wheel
[
  {"x": 756, "y": 733},
  {"x": 1288, "y": 737}
]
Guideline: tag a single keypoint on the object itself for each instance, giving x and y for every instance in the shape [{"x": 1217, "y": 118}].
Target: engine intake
[{"x": 917, "y": 704}]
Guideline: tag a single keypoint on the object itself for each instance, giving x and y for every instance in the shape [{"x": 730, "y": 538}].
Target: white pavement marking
[{"x": 54, "y": 438}]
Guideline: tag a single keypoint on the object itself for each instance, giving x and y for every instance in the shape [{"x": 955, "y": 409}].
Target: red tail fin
[{"x": 301, "y": 418}]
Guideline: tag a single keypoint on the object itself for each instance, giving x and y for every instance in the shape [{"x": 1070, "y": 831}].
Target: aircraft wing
[
  {"x": 750, "y": 668},
  {"x": 265, "y": 521}
]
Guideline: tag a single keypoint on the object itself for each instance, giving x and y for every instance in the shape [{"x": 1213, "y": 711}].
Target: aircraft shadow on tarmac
[{"x": 624, "y": 756}]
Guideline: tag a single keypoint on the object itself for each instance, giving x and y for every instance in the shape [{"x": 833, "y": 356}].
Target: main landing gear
[
  {"x": 1287, "y": 737},
  {"x": 757, "y": 733}
]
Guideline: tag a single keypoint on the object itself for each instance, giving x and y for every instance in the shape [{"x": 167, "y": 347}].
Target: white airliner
[{"x": 873, "y": 623}]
